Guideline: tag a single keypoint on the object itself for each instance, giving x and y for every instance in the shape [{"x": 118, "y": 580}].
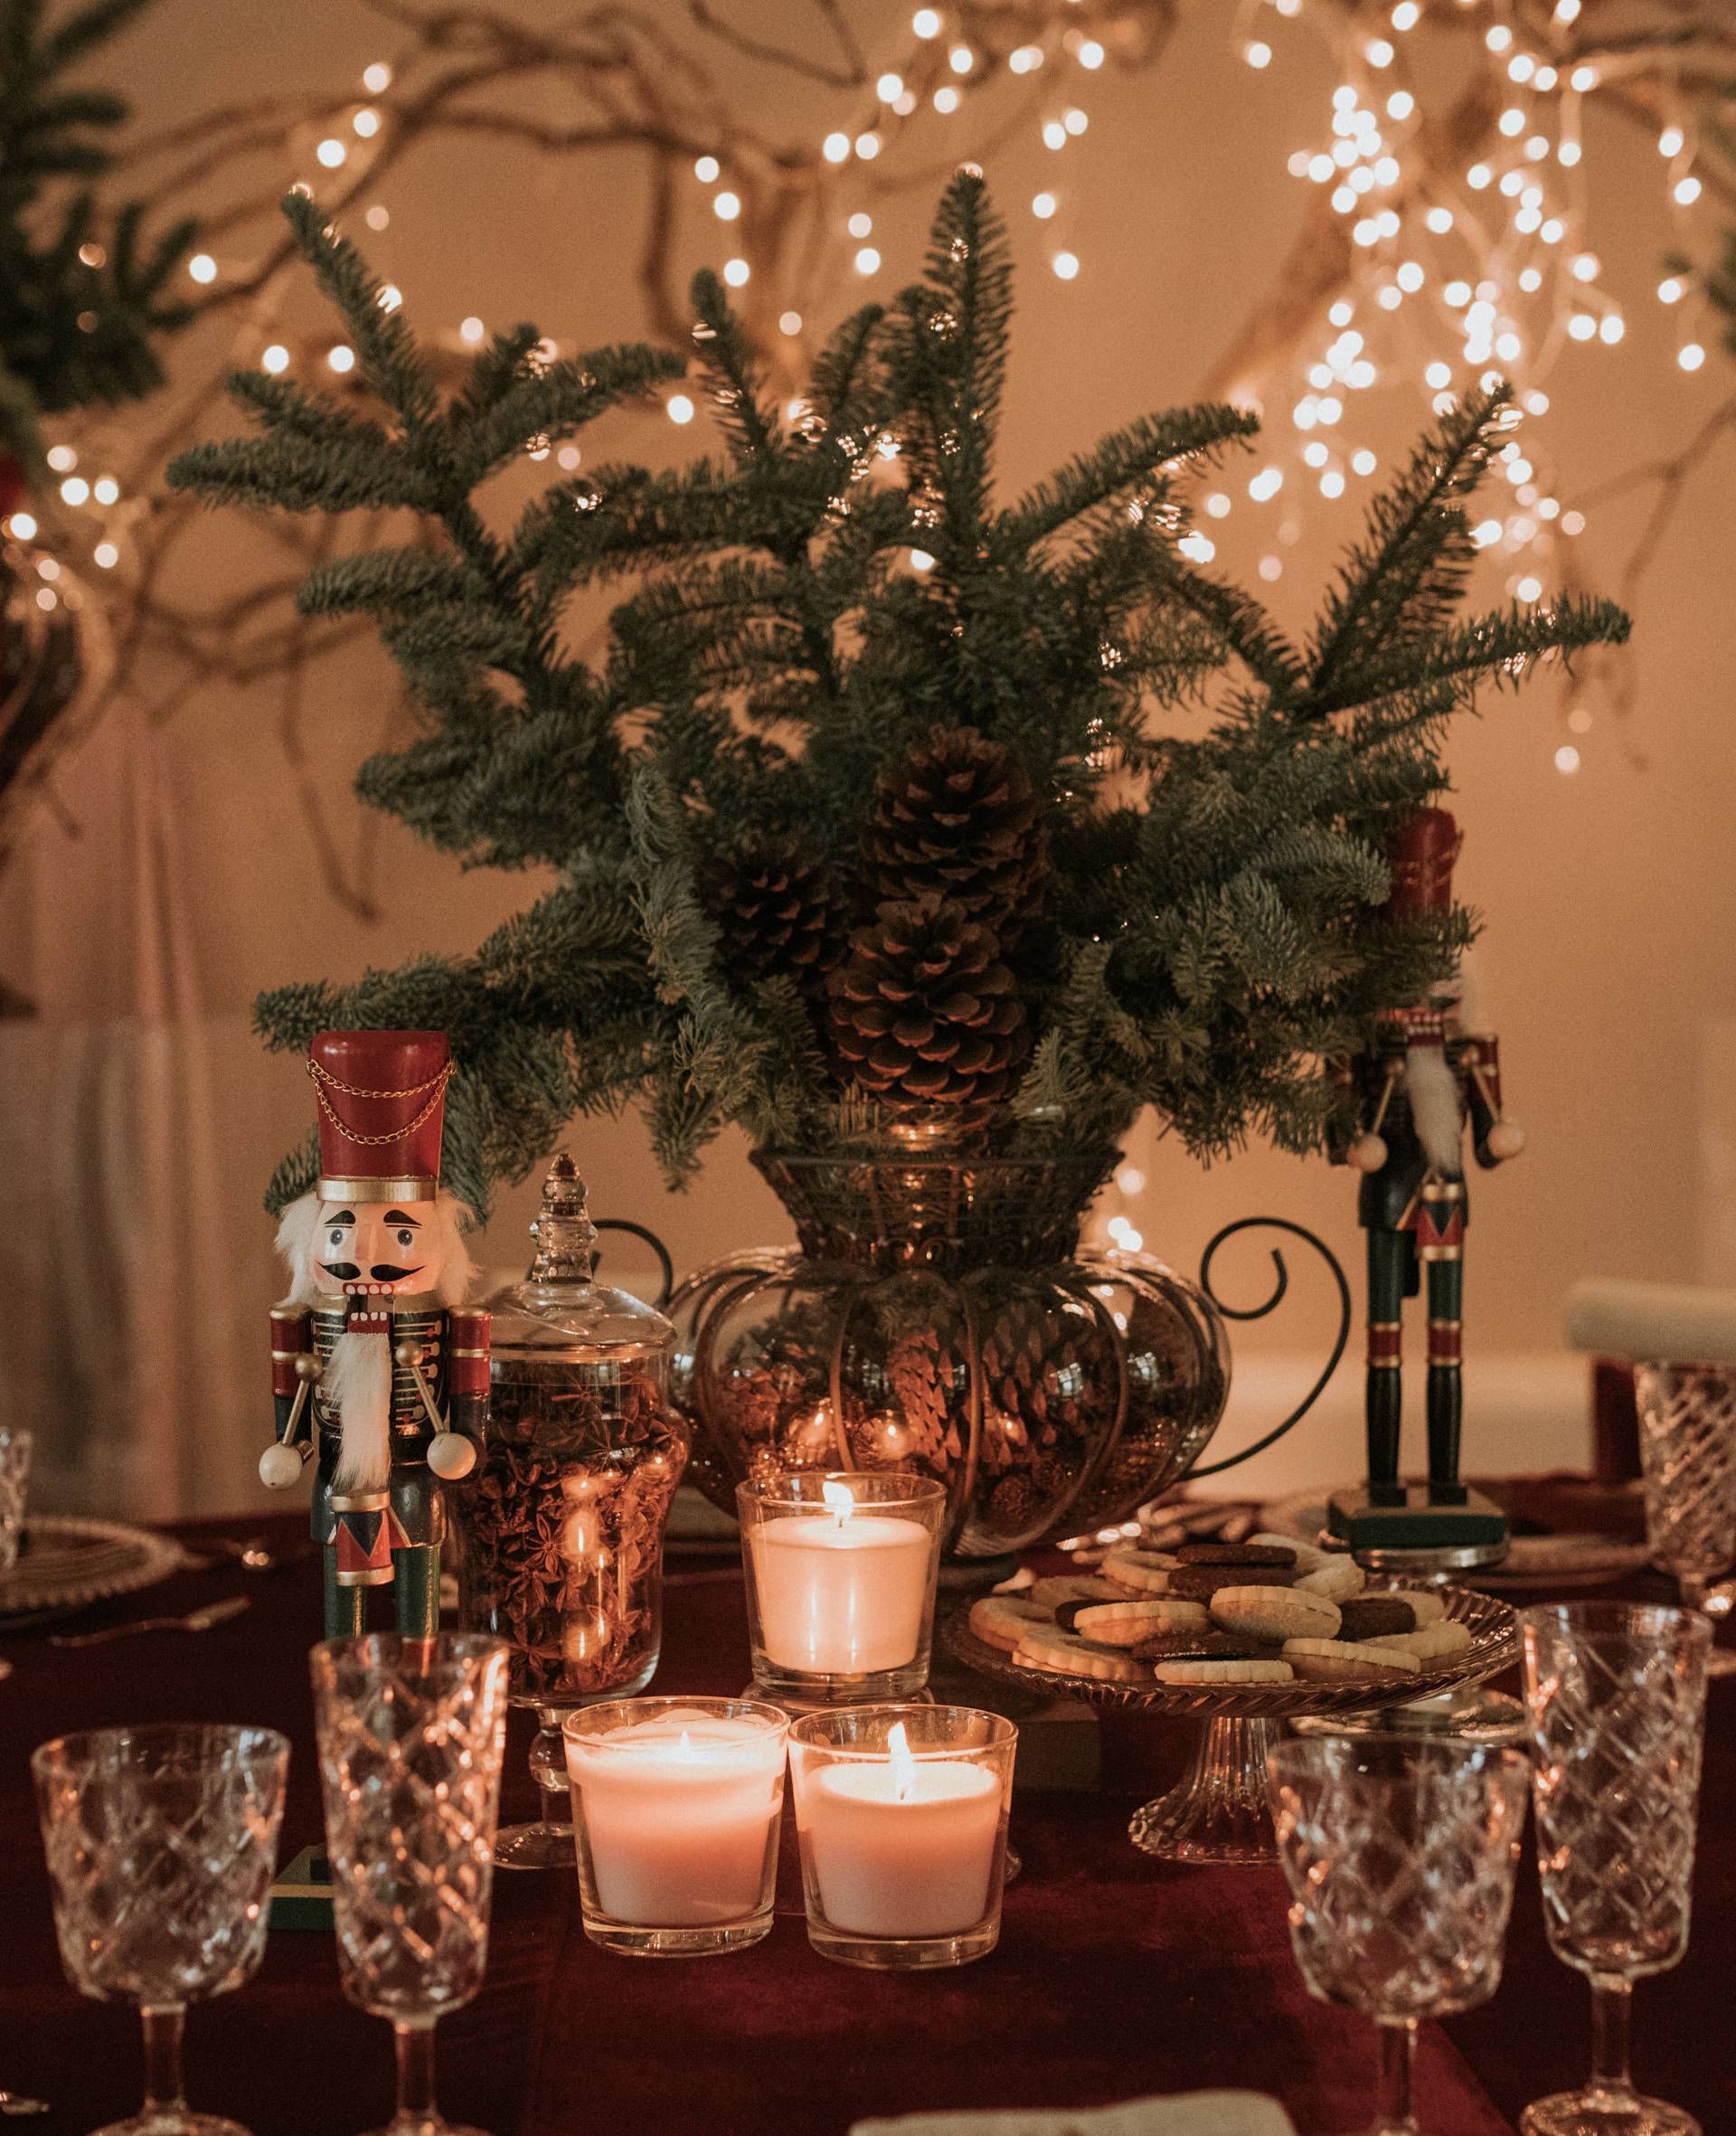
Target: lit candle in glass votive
[
  {"x": 676, "y": 1805},
  {"x": 841, "y": 1577},
  {"x": 901, "y": 1814}
]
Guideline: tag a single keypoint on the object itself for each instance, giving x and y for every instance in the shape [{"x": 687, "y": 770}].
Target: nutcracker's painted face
[
  {"x": 375, "y": 1249},
  {"x": 362, "y": 1250}
]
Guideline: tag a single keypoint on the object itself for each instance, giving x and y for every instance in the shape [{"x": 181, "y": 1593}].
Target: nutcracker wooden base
[{"x": 1419, "y": 1527}]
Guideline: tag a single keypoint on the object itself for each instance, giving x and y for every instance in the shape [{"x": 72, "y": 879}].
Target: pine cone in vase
[
  {"x": 923, "y": 1013},
  {"x": 778, "y": 911},
  {"x": 956, "y": 819}
]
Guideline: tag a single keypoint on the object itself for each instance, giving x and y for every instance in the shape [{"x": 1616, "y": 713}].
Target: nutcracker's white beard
[
  {"x": 1433, "y": 1093},
  {"x": 357, "y": 1383}
]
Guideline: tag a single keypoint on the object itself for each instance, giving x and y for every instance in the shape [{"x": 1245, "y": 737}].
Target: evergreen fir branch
[
  {"x": 1407, "y": 576},
  {"x": 736, "y": 377},
  {"x": 385, "y": 582},
  {"x": 846, "y": 388},
  {"x": 558, "y": 400},
  {"x": 384, "y": 345},
  {"x": 1236, "y": 619},
  {"x": 296, "y": 1174},
  {"x": 1500, "y": 648},
  {"x": 293, "y": 474},
  {"x": 1139, "y": 453}
]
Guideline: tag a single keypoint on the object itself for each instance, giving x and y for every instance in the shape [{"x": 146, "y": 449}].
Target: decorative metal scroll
[{"x": 1258, "y": 1312}]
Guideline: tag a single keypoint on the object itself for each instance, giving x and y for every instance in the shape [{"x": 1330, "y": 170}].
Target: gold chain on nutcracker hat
[{"x": 396, "y": 1162}]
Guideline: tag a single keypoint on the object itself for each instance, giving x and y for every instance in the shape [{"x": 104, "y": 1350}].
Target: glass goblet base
[
  {"x": 173, "y": 2121},
  {"x": 534, "y": 1846},
  {"x": 1596, "y": 2112},
  {"x": 426, "y": 2124}
]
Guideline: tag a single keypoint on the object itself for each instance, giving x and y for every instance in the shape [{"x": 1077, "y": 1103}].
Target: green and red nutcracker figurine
[
  {"x": 376, "y": 1369},
  {"x": 1432, "y": 1075}
]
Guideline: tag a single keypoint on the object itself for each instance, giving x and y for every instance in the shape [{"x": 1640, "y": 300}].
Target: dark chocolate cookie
[
  {"x": 1236, "y": 1554},
  {"x": 1200, "y": 1583},
  {"x": 1209, "y": 1644},
  {"x": 1369, "y": 1616}
]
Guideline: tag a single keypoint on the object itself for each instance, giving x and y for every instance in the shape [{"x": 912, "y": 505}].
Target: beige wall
[{"x": 1606, "y": 894}]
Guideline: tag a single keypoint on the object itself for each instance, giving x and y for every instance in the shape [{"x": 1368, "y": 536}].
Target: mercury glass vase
[
  {"x": 560, "y": 1526},
  {"x": 938, "y": 1318}
]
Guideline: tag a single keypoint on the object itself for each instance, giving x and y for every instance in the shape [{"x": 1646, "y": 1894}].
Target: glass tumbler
[
  {"x": 161, "y": 1842},
  {"x": 1687, "y": 1451},
  {"x": 841, "y": 1572},
  {"x": 14, "y": 1482},
  {"x": 676, "y": 1806},
  {"x": 901, "y": 1813},
  {"x": 1400, "y": 1857},
  {"x": 1615, "y": 1695},
  {"x": 410, "y": 1736}
]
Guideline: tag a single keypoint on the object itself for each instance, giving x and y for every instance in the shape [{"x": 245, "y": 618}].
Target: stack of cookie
[{"x": 1267, "y": 1611}]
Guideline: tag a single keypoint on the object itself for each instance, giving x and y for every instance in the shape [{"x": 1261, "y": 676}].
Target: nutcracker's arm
[
  {"x": 467, "y": 1376},
  {"x": 1494, "y": 1138},
  {"x": 294, "y": 1371},
  {"x": 457, "y": 1440}
]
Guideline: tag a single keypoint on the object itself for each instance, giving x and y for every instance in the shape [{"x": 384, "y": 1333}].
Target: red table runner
[{"x": 1116, "y": 1975}]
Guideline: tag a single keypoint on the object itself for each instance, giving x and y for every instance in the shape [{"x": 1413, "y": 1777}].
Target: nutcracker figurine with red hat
[
  {"x": 375, "y": 1368},
  {"x": 1432, "y": 1072}
]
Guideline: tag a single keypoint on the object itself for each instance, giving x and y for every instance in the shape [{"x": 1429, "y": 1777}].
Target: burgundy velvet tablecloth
[{"x": 1115, "y": 1976}]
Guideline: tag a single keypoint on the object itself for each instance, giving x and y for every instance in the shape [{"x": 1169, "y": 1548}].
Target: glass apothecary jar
[{"x": 560, "y": 1526}]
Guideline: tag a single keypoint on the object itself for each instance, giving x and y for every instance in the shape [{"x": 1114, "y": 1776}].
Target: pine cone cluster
[
  {"x": 956, "y": 819},
  {"x": 780, "y": 913},
  {"x": 924, "y": 1013}
]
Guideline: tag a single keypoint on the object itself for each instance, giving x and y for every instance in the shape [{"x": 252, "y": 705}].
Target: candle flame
[
  {"x": 685, "y": 1748},
  {"x": 903, "y": 1765},
  {"x": 838, "y": 1499}
]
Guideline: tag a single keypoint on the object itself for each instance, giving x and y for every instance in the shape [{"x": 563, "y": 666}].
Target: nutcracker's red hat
[
  {"x": 381, "y": 1111},
  {"x": 1420, "y": 855}
]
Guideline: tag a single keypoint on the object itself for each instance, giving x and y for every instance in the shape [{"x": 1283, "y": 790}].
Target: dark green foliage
[
  {"x": 71, "y": 334},
  {"x": 1212, "y": 926}
]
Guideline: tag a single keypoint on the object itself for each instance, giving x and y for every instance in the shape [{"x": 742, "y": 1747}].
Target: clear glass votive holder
[
  {"x": 841, "y": 1572},
  {"x": 677, "y": 1807},
  {"x": 901, "y": 1814},
  {"x": 14, "y": 1482}
]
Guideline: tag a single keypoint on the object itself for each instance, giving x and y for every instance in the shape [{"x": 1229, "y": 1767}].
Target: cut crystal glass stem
[
  {"x": 164, "y": 2024},
  {"x": 1612, "y": 2006},
  {"x": 1398, "y": 2054},
  {"x": 414, "y": 2042}
]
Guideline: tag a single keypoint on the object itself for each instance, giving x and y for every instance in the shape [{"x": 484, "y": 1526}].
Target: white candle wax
[
  {"x": 892, "y": 1864},
  {"x": 841, "y": 1597},
  {"x": 680, "y": 1815}
]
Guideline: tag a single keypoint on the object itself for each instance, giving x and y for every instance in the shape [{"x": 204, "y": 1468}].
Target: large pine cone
[
  {"x": 780, "y": 912},
  {"x": 955, "y": 818},
  {"x": 924, "y": 1013}
]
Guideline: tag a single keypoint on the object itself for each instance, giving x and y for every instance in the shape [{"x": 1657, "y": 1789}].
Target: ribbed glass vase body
[{"x": 938, "y": 1318}]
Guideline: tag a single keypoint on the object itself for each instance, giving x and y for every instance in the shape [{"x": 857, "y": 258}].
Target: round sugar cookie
[
  {"x": 1223, "y": 1672},
  {"x": 1065, "y": 1587},
  {"x": 1003, "y": 1620},
  {"x": 1429, "y": 1607},
  {"x": 1275, "y": 1612},
  {"x": 1067, "y": 1653},
  {"x": 1336, "y": 1578},
  {"x": 1124, "y": 1623},
  {"x": 1433, "y": 1642},
  {"x": 1338, "y": 1661},
  {"x": 1137, "y": 1570}
]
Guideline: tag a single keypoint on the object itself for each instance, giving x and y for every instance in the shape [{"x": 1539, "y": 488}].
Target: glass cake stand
[{"x": 1217, "y": 1811}]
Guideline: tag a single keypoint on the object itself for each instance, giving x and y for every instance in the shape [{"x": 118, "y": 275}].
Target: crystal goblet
[
  {"x": 1687, "y": 1449},
  {"x": 161, "y": 1843},
  {"x": 1401, "y": 1857},
  {"x": 1616, "y": 1698},
  {"x": 410, "y": 1737}
]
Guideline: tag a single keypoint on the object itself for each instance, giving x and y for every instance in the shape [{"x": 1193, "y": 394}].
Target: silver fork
[{"x": 201, "y": 1619}]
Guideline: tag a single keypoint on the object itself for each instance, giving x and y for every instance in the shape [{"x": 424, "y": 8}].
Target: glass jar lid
[{"x": 560, "y": 1309}]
